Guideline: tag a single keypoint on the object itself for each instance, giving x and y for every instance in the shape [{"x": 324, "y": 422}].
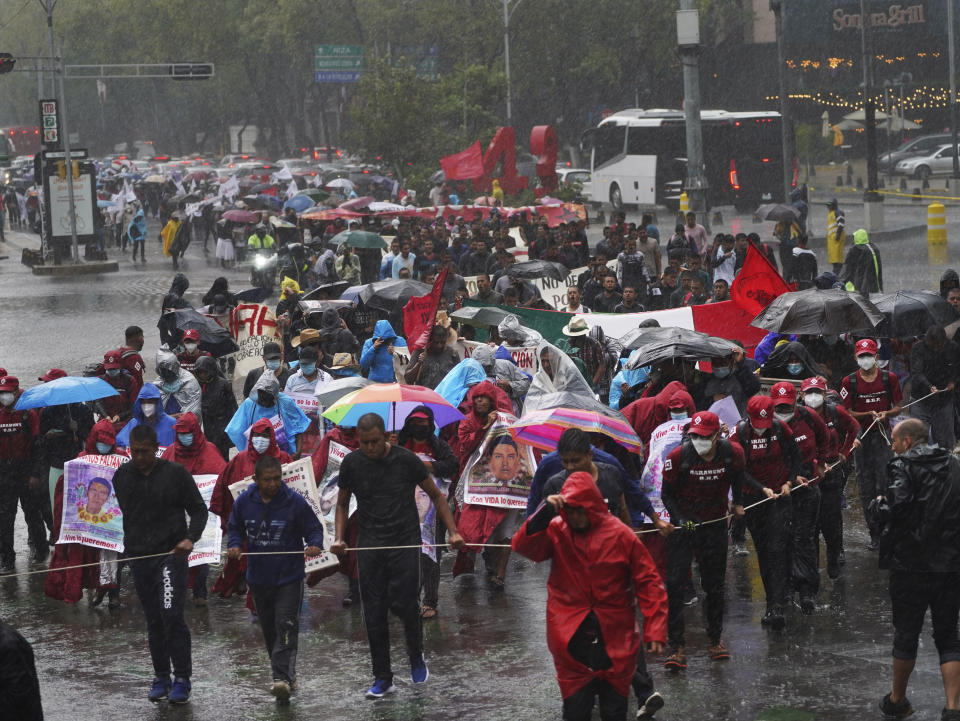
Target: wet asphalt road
[{"x": 487, "y": 652}]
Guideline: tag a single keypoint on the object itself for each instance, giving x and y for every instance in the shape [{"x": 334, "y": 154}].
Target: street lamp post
[
  {"x": 786, "y": 126},
  {"x": 688, "y": 42},
  {"x": 507, "y": 14},
  {"x": 951, "y": 39}
]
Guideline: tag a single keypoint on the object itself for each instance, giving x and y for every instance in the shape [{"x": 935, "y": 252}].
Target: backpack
[
  {"x": 742, "y": 429},
  {"x": 724, "y": 449},
  {"x": 884, "y": 378}
]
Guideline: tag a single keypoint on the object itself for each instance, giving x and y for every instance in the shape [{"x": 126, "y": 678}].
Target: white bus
[{"x": 638, "y": 157}]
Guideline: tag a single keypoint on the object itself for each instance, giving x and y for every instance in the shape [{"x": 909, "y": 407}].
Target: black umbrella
[
  {"x": 480, "y": 316},
  {"x": 388, "y": 295},
  {"x": 214, "y": 338},
  {"x": 531, "y": 269},
  {"x": 253, "y": 295},
  {"x": 819, "y": 312},
  {"x": 660, "y": 344},
  {"x": 778, "y": 212},
  {"x": 332, "y": 289},
  {"x": 910, "y": 312}
]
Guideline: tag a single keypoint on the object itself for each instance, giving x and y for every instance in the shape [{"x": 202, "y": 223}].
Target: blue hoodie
[
  {"x": 285, "y": 523},
  {"x": 378, "y": 363},
  {"x": 249, "y": 412},
  {"x": 161, "y": 422},
  {"x": 137, "y": 230},
  {"x": 459, "y": 380}
]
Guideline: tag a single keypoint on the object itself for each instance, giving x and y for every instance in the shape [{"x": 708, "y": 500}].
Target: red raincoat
[
  {"x": 320, "y": 457},
  {"x": 593, "y": 570},
  {"x": 69, "y": 585},
  {"x": 645, "y": 414},
  {"x": 221, "y": 502}
]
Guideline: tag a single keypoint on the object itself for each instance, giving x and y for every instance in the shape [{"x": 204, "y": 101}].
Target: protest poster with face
[
  {"x": 500, "y": 471},
  {"x": 91, "y": 514},
  {"x": 207, "y": 548}
]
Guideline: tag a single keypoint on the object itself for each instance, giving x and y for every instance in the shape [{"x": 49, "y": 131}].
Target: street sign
[
  {"x": 75, "y": 154},
  {"x": 50, "y": 123},
  {"x": 337, "y": 63}
]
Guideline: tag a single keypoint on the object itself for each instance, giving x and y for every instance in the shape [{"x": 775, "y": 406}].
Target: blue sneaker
[
  {"x": 181, "y": 691},
  {"x": 419, "y": 671},
  {"x": 381, "y": 687},
  {"x": 159, "y": 689}
]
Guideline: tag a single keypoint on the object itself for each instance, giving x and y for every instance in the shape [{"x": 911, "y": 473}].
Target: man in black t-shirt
[{"x": 384, "y": 477}]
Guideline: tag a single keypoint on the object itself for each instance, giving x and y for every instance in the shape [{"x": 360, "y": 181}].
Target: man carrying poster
[{"x": 270, "y": 517}]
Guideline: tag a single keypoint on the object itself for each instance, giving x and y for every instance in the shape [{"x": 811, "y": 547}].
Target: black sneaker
[
  {"x": 807, "y": 605},
  {"x": 841, "y": 558},
  {"x": 950, "y": 714},
  {"x": 653, "y": 704},
  {"x": 777, "y": 621},
  {"x": 7, "y": 567},
  {"x": 873, "y": 545},
  {"x": 892, "y": 711},
  {"x": 833, "y": 569}
]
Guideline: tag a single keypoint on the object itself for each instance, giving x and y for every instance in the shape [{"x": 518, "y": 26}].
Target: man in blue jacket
[
  {"x": 270, "y": 517},
  {"x": 376, "y": 359}
]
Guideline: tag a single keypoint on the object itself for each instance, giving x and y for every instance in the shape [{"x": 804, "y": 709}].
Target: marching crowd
[{"x": 810, "y": 409}]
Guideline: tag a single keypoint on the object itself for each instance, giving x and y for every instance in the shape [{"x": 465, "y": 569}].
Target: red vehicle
[{"x": 20, "y": 140}]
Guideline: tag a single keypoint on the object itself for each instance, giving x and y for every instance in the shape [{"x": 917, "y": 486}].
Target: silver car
[{"x": 937, "y": 162}]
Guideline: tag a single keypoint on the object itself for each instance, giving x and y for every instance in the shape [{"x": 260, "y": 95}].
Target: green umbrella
[
  {"x": 359, "y": 239},
  {"x": 316, "y": 194}
]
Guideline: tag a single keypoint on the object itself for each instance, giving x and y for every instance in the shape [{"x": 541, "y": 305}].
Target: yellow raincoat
[{"x": 168, "y": 233}]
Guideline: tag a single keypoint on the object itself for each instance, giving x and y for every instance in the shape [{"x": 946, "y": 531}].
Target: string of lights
[{"x": 924, "y": 97}]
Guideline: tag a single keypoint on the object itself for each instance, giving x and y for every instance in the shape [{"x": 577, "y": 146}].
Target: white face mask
[
  {"x": 702, "y": 445},
  {"x": 260, "y": 444},
  {"x": 149, "y": 409},
  {"x": 866, "y": 362},
  {"x": 6, "y": 399},
  {"x": 678, "y": 415},
  {"x": 191, "y": 347},
  {"x": 784, "y": 417},
  {"x": 813, "y": 400}
]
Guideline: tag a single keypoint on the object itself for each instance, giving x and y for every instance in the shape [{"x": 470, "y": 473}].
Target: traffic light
[
  {"x": 76, "y": 169},
  {"x": 7, "y": 61},
  {"x": 61, "y": 170},
  {"x": 191, "y": 71}
]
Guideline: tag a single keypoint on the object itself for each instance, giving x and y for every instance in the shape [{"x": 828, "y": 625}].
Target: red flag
[
  {"x": 269, "y": 191},
  {"x": 420, "y": 314},
  {"x": 465, "y": 165},
  {"x": 757, "y": 283}
]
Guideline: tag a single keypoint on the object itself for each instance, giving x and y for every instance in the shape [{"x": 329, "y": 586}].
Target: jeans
[
  {"x": 161, "y": 585},
  {"x": 390, "y": 581},
  {"x": 871, "y": 462},
  {"x": 709, "y": 545},
  {"x": 142, "y": 246},
  {"x": 937, "y": 413},
  {"x": 804, "y": 564},
  {"x": 14, "y": 489},
  {"x": 911, "y": 594},
  {"x": 579, "y": 705},
  {"x": 279, "y": 610},
  {"x": 771, "y": 526}
]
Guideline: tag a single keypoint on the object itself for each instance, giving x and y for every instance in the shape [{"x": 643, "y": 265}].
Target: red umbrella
[{"x": 357, "y": 203}]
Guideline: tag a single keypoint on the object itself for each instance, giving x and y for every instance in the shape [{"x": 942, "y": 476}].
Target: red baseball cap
[
  {"x": 814, "y": 383},
  {"x": 52, "y": 375},
  {"x": 760, "y": 411},
  {"x": 783, "y": 393},
  {"x": 9, "y": 383},
  {"x": 112, "y": 359},
  {"x": 191, "y": 335},
  {"x": 704, "y": 423},
  {"x": 865, "y": 346}
]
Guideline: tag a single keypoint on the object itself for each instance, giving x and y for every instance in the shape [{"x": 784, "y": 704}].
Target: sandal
[
  {"x": 428, "y": 612},
  {"x": 497, "y": 582}
]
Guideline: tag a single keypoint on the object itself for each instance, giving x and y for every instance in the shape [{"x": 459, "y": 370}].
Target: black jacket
[
  {"x": 19, "y": 685},
  {"x": 153, "y": 507},
  {"x": 930, "y": 367},
  {"x": 218, "y": 404},
  {"x": 921, "y": 512}
]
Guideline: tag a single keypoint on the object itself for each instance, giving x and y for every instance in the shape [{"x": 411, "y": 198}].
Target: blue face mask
[
  {"x": 308, "y": 369},
  {"x": 273, "y": 365},
  {"x": 186, "y": 439},
  {"x": 113, "y": 372},
  {"x": 172, "y": 387},
  {"x": 721, "y": 372},
  {"x": 103, "y": 448},
  {"x": 795, "y": 369},
  {"x": 678, "y": 415}
]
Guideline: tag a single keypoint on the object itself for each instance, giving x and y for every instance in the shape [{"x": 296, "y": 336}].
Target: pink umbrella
[
  {"x": 542, "y": 429},
  {"x": 357, "y": 203},
  {"x": 393, "y": 402}
]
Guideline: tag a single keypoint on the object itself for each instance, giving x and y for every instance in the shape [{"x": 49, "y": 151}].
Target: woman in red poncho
[
  {"x": 263, "y": 442},
  {"x": 479, "y": 524},
  {"x": 599, "y": 570},
  {"x": 346, "y": 437},
  {"x": 193, "y": 451},
  {"x": 645, "y": 414},
  {"x": 69, "y": 585}
]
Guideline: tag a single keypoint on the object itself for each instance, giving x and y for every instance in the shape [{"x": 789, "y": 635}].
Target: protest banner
[
  {"x": 305, "y": 402},
  {"x": 91, "y": 514},
  {"x": 664, "y": 439},
  {"x": 207, "y": 548},
  {"x": 298, "y": 477},
  {"x": 525, "y": 357},
  {"x": 500, "y": 471},
  {"x": 428, "y": 513},
  {"x": 252, "y": 325},
  {"x": 276, "y": 422}
]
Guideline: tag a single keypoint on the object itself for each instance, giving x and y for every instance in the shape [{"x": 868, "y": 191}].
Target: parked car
[
  {"x": 923, "y": 145},
  {"x": 938, "y": 162}
]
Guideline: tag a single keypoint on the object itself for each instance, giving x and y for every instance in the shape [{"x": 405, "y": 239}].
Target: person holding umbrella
[{"x": 347, "y": 265}]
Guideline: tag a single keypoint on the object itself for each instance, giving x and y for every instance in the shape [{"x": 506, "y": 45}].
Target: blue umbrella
[
  {"x": 59, "y": 392},
  {"x": 299, "y": 203}
]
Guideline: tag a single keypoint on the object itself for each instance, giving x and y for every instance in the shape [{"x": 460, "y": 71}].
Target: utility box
[{"x": 688, "y": 28}]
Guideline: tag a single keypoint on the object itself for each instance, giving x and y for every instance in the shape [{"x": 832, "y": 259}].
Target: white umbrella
[
  {"x": 860, "y": 117},
  {"x": 341, "y": 183},
  {"x": 896, "y": 124},
  {"x": 849, "y": 125},
  {"x": 382, "y": 206}
]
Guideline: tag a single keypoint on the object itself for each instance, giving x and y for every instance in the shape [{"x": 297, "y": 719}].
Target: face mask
[
  {"x": 678, "y": 415},
  {"x": 103, "y": 448},
  {"x": 866, "y": 362},
  {"x": 191, "y": 347},
  {"x": 265, "y": 399},
  {"x": 784, "y": 417},
  {"x": 149, "y": 409},
  {"x": 702, "y": 445},
  {"x": 186, "y": 439},
  {"x": 172, "y": 387},
  {"x": 260, "y": 444},
  {"x": 113, "y": 372},
  {"x": 273, "y": 365},
  {"x": 794, "y": 369},
  {"x": 722, "y": 372},
  {"x": 758, "y": 431},
  {"x": 6, "y": 399},
  {"x": 420, "y": 433},
  {"x": 308, "y": 369},
  {"x": 813, "y": 400}
]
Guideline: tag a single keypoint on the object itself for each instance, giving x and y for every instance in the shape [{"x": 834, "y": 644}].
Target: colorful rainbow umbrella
[
  {"x": 393, "y": 402},
  {"x": 542, "y": 429}
]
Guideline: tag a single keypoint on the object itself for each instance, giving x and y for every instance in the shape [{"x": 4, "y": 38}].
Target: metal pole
[
  {"x": 48, "y": 7},
  {"x": 696, "y": 182},
  {"x": 869, "y": 106},
  {"x": 506, "y": 58},
  {"x": 66, "y": 152},
  {"x": 953, "y": 86},
  {"x": 786, "y": 125}
]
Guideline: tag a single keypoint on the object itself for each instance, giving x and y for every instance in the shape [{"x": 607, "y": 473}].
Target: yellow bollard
[
  {"x": 936, "y": 234},
  {"x": 685, "y": 202}
]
